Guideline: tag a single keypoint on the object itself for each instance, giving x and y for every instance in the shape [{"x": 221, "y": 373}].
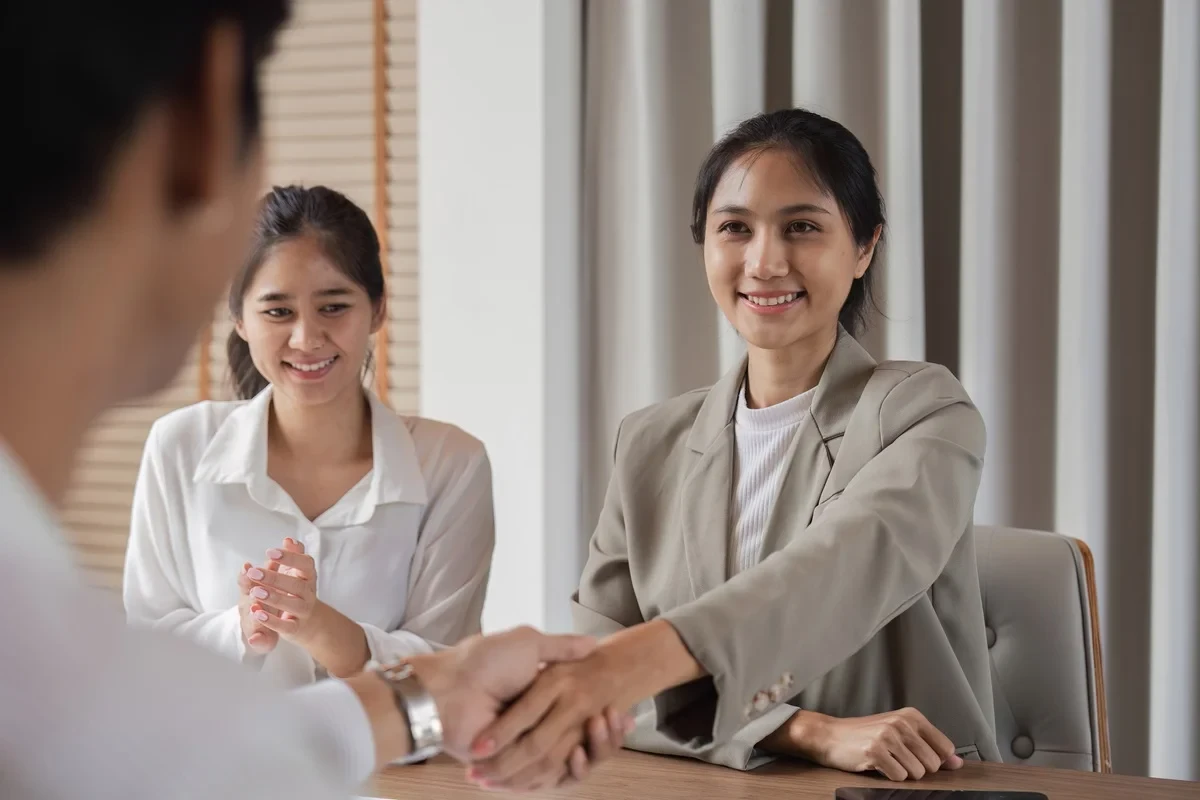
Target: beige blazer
[{"x": 867, "y": 596}]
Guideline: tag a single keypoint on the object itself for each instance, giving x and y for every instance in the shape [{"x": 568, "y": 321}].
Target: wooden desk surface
[{"x": 634, "y": 775}]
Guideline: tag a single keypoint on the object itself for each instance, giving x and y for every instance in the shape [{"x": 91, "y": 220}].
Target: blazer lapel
[
  {"x": 708, "y": 487},
  {"x": 814, "y": 448}
]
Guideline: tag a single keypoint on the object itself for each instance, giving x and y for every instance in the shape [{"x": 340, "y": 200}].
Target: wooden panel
[
  {"x": 660, "y": 778},
  {"x": 403, "y": 258},
  {"x": 1089, "y": 571},
  {"x": 380, "y": 215}
]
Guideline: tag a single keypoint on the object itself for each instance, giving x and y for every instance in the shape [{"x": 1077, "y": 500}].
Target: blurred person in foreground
[{"x": 133, "y": 171}]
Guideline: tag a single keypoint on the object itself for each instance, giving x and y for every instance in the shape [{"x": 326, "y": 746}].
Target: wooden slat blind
[
  {"x": 318, "y": 119},
  {"x": 96, "y": 508},
  {"x": 401, "y": 84},
  {"x": 321, "y": 125}
]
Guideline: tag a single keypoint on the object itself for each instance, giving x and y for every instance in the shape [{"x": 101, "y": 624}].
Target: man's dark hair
[{"x": 79, "y": 74}]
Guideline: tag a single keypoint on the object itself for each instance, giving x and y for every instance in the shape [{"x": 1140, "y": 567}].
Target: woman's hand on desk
[{"x": 902, "y": 745}]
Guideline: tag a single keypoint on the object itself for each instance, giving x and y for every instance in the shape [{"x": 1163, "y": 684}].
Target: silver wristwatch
[{"x": 417, "y": 705}]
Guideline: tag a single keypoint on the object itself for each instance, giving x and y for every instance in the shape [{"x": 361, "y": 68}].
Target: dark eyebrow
[
  {"x": 800, "y": 208},
  {"x": 803, "y": 208},
  {"x": 276, "y": 297}
]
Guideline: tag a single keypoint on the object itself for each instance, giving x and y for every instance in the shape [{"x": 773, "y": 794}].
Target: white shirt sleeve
[
  {"x": 92, "y": 708},
  {"x": 153, "y": 586},
  {"x": 450, "y": 569}
]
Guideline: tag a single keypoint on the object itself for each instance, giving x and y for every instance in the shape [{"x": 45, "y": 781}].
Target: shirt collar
[
  {"x": 833, "y": 401},
  {"x": 238, "y": 453},
  {"x": 397, "y": 474}
]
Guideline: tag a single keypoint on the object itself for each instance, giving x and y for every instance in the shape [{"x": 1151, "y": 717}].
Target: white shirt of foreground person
[
  {"x": 92, "y": 708},
  {"x": 405, "y": 553}
]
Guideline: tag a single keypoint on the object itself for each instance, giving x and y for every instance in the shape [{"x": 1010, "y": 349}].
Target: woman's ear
[
  {"x": 240, "y": 326},
  {"x": 867, "y": 253}
]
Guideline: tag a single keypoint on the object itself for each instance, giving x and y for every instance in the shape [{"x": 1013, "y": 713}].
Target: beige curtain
[{"x": 1040, "y": 163}]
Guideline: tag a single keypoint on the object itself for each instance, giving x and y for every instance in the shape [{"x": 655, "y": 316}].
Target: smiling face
[
  {"x": 308, "y": 325},
  {"x": 778, "y": 251}
]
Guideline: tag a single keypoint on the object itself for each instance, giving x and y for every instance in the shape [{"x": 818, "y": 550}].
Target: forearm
[
  {"x": 336, "y": 642},
  {"x": 388, "y": 726},
  {"x": 649, "y": 658}
]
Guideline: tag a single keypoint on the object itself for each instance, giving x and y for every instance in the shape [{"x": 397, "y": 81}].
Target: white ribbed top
[{"x": 763, "y": 436}]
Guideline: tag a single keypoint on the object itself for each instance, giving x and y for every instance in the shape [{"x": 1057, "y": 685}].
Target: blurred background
[{"x": 529, "y": 167}]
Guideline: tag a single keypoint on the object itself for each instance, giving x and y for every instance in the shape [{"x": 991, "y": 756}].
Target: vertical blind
[{"x": 340, "y": 110}]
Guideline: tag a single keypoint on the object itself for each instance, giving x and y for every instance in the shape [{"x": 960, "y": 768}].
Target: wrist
[
  {"x": 335, "y": 641},
  {"x": 389, "y": 725},
  {"x": 430, "y": 671},
  {"x": 810, "y": 734},
  {"x": 647, "y": 659},
  {"x": 310, "y": 636}
]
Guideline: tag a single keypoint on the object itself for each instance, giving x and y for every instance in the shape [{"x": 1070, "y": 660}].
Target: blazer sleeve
[
  {"x": 154, "y": 593},
  {"x": 874, "y": 551},
  {"x": 605, "y": 603}
]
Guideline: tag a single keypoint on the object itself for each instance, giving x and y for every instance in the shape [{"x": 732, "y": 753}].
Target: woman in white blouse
[{"x": 306, "y": 528}]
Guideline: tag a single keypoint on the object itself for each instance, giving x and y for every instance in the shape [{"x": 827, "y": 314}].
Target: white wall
[{"x": 499, "y": 107}]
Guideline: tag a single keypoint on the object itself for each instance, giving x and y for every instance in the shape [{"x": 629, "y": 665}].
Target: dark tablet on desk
[{"x": 875, "y": 793}]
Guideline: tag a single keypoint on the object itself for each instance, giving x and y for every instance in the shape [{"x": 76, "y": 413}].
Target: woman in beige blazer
[{"x": 790, "y": 551}]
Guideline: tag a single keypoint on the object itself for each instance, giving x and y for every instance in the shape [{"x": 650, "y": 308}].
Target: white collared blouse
[{"x": 405, "y": 553}]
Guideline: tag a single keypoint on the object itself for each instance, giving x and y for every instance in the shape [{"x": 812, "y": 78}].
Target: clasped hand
[
  {"x": 543, "y": 730},
  {"x": 278, "y": 599},
  {"x": 514, "y": 674}
]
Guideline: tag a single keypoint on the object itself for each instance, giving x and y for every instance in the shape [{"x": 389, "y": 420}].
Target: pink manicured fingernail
[
  {"x": 259, "y": 592},
  {"x": 274, "y": 553},
  {"x": 483, "y": 749},
  {"x": 255, "y": 574},
  {"x": 261, "y": 616}
]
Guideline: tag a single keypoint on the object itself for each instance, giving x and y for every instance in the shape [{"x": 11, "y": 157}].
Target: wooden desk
[{"x": 643, "y": 777}]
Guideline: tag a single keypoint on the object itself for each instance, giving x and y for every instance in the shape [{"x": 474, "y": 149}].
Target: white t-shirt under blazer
[{"x": 405, "y": 553}]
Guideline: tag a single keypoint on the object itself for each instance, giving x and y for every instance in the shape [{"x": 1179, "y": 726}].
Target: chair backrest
[{"x": 1039, "y": 605}]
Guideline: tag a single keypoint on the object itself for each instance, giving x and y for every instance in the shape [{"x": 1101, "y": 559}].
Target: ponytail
[{"x": 247, "y": 380}]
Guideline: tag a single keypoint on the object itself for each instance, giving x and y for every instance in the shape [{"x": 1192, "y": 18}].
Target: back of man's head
[{"x": 79, "y": 75}]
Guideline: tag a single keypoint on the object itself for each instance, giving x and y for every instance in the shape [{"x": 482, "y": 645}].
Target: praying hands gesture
[{"x": 280, "y": 601}]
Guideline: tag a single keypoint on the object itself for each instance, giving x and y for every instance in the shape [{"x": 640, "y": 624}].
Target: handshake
[{"x": 523, "y": 709}]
